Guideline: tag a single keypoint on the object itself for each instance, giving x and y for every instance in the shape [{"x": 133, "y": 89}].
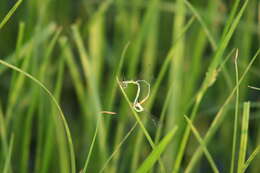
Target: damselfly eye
[
  {"x": 123, "y": 84},
  {"x": 138, "y": 107}
]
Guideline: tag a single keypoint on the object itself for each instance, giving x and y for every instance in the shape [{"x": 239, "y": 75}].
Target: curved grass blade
[
  {"x": 61, "y": 115},
  {"x": 157, "y": 151}
]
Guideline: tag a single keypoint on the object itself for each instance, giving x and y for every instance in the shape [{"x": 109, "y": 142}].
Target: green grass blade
[
  {"x": 203, "y": 145},
  {"x": 37, "y": 39},
  {"x": 112, "y": 94},
  {"x": 155, "y": 155},
  {"x": 231, "y": 17},
  {"x": 160, "y": 77},
  {"x": 136, "y": 116},
  {"x": 235, "y": 119},
  {"x": 93, "y": 90},
  {"x": 48, "y": 145},
  {"x": 244, "y": 137},
  {"x": 203, "y": 24},
  {"x": 163, "y": 114},
  {"x": 151, "y": 12},
  {"x": 117, "y": 148},
  {"x": 10, "y": 13},
  {"x": 208, "y": 81},
  {"x": 166, "y": 63},
  {"x": 219, "y": 118},
  {"x": 91, "y": 148},
  {"x": 7, "y": 165},
  {"x": 3, "y": 135},
  {"x": 86, "y": 64},
  {"x": 62, "y": 117},
  {"x": 251, "y": 158},
  {"x": 73, "y": 70}
]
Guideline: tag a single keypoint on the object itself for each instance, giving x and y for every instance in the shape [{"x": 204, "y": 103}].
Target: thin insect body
[
  {"x": 138, "y": 105},
  {"x": 108, "y": 112}
]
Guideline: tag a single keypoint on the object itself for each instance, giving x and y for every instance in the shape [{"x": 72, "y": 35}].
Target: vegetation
[{"x": 129, "y": 86}]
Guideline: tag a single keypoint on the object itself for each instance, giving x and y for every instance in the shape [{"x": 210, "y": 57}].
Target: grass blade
[
  {"x": 136, "y": 116},
  {"x": 91, "y": 147},
  {"x": 203, "y": 24},
  {"x": 155, "y": 155},
  {"x": 208, "y": 81},
  {"x": 8, "y": 158},
  {"x": 235, "y": 119},
  {"x": 10, "y": 13},
  {"x": 251, "y": 158},
  {"x": 218, "y": 118},
  {"x": 62, "y": 117},
  {"x": 118, "y": 147},
  {"x": 244, "y": 137},
  {"x": 203, "y": 145}
]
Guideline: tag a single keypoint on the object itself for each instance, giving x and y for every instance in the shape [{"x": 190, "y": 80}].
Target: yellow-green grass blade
[
  {"x": 73, "y": 71},
  {"x": 166, "y": 63},
  {"x": 244, "y": 137},
  {"x": 93, "y": 90},
  {"x": 235, "y": 118},
  {"x": 10, "y": 13},
  {"x": 3, "y": 134},
  {"x": 150, "y": 13},
  {"x": 157, "y": 151},
  {"x": 251, "y": 158},
  {"x": 231, "y": 17},
  {"x": 41, "y": 73},
  {"x": 91, "y": 147},
  {"x": 7, "y": 165},
  {"x": 61, "y": 115},
  {"x": 203, "y": 145}
]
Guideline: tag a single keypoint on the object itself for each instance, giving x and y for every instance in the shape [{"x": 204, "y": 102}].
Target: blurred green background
[{"x": 193, "y": 54}]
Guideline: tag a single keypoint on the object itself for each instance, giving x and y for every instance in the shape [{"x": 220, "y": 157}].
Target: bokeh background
[{"x": 186, "y": 50}]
